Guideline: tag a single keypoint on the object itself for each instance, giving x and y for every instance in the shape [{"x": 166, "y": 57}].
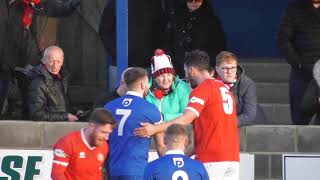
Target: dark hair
[
  {"x": 176, "y": 130},
  {"x": 199, "y": 59},
  {"x": 225, "y": 56},
  {"x": 131, "y": 76},
  {"x": 102, "y": 116}
]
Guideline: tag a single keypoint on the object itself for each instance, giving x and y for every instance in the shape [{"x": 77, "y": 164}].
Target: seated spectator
[
  {"x": 175, "y": 163},
  {"x": 242, "y": 87},
  {"x": 169, "y": 93},
  {"x": 106, "y": 97},
  {"x": 310, "y": 105},
  {"x": 48, "y": 89}
]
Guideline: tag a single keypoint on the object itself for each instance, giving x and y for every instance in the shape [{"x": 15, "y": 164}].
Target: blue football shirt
[
  {"x": 129, "y": 153},
  {"x": 175, "y": 166}
]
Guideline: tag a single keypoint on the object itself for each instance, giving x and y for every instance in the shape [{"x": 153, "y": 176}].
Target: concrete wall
[{"x": 268, "y": 142}]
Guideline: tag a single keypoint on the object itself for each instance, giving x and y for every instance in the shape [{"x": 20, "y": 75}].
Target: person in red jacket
[{"x": 80, "y": 155}]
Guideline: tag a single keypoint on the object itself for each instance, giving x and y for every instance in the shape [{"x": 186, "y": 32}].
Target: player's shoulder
[
  {"x": 194, "y": 162},
  {"x": 158, "y": 163},
  {"x": 69, "y": 138},
  {"x": 112, "y": 103}
]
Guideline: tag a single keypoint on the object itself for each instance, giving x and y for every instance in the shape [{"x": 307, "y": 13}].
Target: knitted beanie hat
[{"x": 161, "y": 64}]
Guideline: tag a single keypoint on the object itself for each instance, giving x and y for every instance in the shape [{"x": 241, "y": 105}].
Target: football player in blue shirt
[
  {"x": 175, "y": 165},
  {"x": 129, "y": 153}
]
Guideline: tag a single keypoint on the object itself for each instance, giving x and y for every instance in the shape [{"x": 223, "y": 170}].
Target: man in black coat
[
  {"x": 20, "y": 46},
  {"x": 192, "y": 25},
  {"x": 47, "y": 95},
  {"x": 299, "y": 40}
]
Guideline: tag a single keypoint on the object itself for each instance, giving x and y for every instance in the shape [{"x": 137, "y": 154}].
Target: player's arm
[
  {"x": 60, "y": 160},
  {"x": 148, "y": 129},
  {"x": 159, "y": 141}
]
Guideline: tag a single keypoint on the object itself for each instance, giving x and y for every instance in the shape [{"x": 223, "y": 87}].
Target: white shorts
[{"x": 226, "y": 170}]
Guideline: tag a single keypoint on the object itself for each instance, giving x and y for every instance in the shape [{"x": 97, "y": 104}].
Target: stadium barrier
[{"x": 267, "y": 142}]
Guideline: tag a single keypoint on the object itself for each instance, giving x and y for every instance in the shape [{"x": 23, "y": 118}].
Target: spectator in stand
[
  {"x": 175, "y": 163},
  {"x": 192, "y": 25},
  {"x": 310, "y": 105},
  {"x": 47, "y": 95},
  {"x": 299, "y": 40},
  {"x": 20, "y": 35},
  {"x": 243, "y": 88},
  {"x": 80, "y": 154},
  {"x": 106, "y": 97},
  {"x": 167, "y": 91}
]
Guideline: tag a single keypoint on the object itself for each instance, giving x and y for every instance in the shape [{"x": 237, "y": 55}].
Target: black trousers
[{"x": 298, "y": 83}]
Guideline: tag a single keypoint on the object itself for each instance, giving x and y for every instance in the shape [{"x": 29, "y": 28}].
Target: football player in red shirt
[
  {"x": 212, "y": 111},
  {"x": 80, "y": 155}
]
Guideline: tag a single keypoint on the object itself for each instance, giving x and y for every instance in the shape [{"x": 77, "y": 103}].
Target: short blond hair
[{"x": 225, "y": 56}]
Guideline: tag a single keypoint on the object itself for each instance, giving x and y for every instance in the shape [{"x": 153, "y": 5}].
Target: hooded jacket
[
  {"x": 245, "y": 93},
  {"x": 47, "y": 96},
  {"x": 173, "y": 104}
]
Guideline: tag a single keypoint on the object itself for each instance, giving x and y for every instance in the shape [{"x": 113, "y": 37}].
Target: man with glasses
[{"x": 242, "y": 87}]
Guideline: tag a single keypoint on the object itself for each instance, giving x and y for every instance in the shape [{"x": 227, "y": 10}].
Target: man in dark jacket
[
  {"x": 299, "y": 40},
  {"x": 20, "y": 46},
  {"x": 48, "y": 89},
  {"x": 242, "y": 87},
  {"x": 193, "y": 25}
]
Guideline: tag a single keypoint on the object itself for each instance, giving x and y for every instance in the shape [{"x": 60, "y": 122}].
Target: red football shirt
[
  {"x": 215, "y": 129},
  {"x": 74, "y": 159}
]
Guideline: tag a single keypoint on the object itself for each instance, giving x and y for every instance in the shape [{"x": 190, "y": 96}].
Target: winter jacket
[
  {"x": 145, "y": 26},
  {"x": 244, "y": 91},
  {"x": 187, "y": 31},
  {"x": 47, "y": 96},
  {"x": 310, "y": 104},
  {"x": 173, "y": 104},
  {"x": 299, "y": 34}
]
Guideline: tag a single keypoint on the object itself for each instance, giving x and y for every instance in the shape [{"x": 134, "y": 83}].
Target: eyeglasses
[
  {"x": 231, "y": 69},
  {"x": 194, "y": 1}
]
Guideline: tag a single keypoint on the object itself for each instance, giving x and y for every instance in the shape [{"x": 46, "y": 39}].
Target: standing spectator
[
  {"x": 167, "y": 92},
  {"x": 47, "y": 96},
  {"x": 212, "y": 110},
  {"x": 144, "y": 29},
  {"x": 129, "y": 153},
  {"x": 193, "y": 25},
  {"x": 310, "y": 105},
  {"x": 299, "y": 40},
  {"x": 80, "y": 154},
  {"x": 243, "y": 88},
  {"x": 175, "y": 163}
]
